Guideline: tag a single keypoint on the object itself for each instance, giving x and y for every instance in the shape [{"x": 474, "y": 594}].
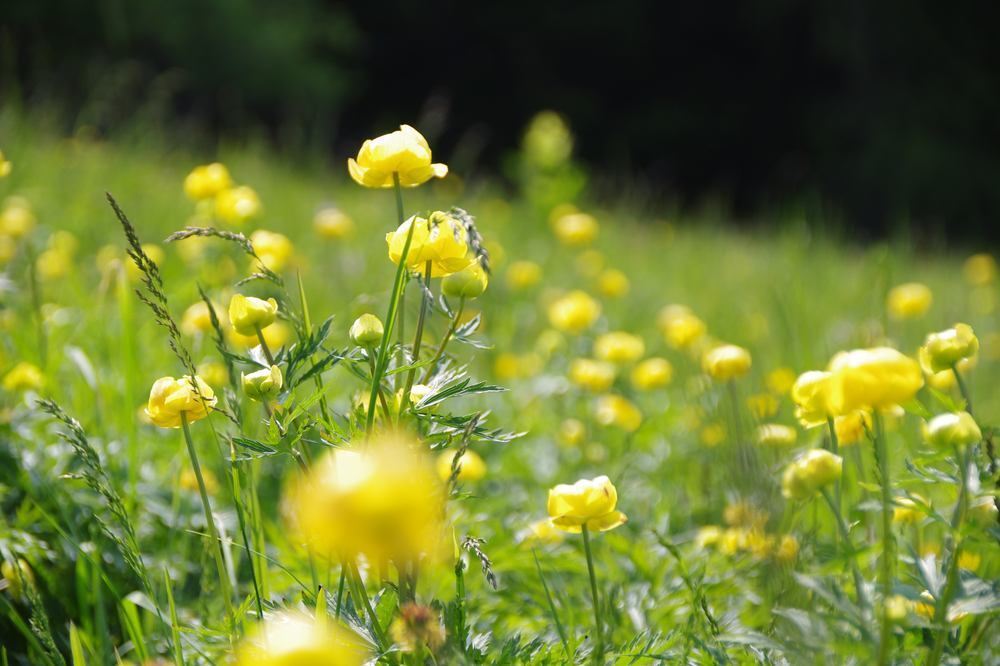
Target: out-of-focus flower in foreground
[
  {"x": 237, "y": 204},
  {"x": 169, "y": 398},
  {"x": 812, "y": 471},
  {"x": 953, "y": 429},
  {"x": 871, "y": 379},
  {"x": 652, "y": 373},
  {"x": 619, "y": 347},
  {"x": 589, "y": 502},
  {"x": 24, "y": 376},
  {"x": 295, "y": 639},
  {"x": 471, "y": 467},
  {"x": 404, "y": 152}
]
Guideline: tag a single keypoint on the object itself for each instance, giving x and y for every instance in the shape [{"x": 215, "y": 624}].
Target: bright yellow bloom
[
  {"x": 592, "y": 375},
  {"x": 619, "y": 347},
  {"x": 333, "y": 223},
  {"x": 470, "y": 282},
  {"x": 296, "y": 639},
  {"x": 248, "y": 314},
  {"x": 197, "y": 319},
  {"x": 523, "y": 274},
  {"x": 574, "y": 313},
  {"x": 206, "y": 181},
  {"x": 652, "y": 373},
  {"x": 726, "y": 362},
  {"x": 237, "y": 204},
  {"x": 471, "y": 466},
  {"x": 440, "y": 240},
  {"x": 169, "y": 398},
  {"x": 5, "y": 166},
  {"x": 576, "y": 229},
  {"x": 980, "y": 270},
  {"x": 780, "y": 380},
  {"x": 909, "y": 301},
  {"x": 24, "y": 377},
  {"x": 614, "y": 410},
  {"x": 589, "y": 502},
  {"x": 876, "y": 378},
  {"x": 944, "y": 349},
  {"x": 273, "y": 249},
  {"x": 262, "y": 384},
  {"x": 787, "y": 550},
  {"x": 708, "y": 535},
  {"x": 680, "y": 327},
  {"x": 809, "y": 396},
  {"x": 383, "y": 500},
  {"x": 952, "y": 429},
  {"x": 404, "y": 152},
  {"x": 612, "y": 283},
  {"x": 815, "y": 469},
  {"x": 367, "y": 331},
  {"x": 763, "y": 405},
  {"x": 910, "y": 511},
  {"x": 16, "y": 217},
  {"x": 852, "y": 426},
  {"x": 776, "y": 434}
]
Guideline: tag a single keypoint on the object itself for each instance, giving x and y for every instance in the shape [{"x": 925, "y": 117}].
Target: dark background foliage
[{"x": 885, "y": 111}]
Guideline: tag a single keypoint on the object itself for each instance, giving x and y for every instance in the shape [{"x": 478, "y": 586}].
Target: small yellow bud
[
  {"x": 237, "y": 204},
  {"x": 367, "y": 331},
  {"x": 726, "y": 362},
  {"x": 613, "y": 283},
  {"x": 248, "y": 314},
  {"x": 470, "y": 282},
  {"x": 809, "y": 396},
  {"x": 680, "y": 327},
  {"x": 614, "y": 410},
  {"x": 944, "y": 349},
  {"x": 952, "y": 429},
  {"x": 263, "y": 384},
  {"x": 815, "y": 469}
]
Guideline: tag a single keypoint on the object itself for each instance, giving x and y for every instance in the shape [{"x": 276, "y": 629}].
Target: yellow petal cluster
[
  {"x": 614, "y": 410},
  {"x": 404, "y": 152},
  {"x": 16, "y": 217},
  {"x": 652, "y": 373},
  {"x": 909, "y": 301},
  {"x": 206, "y": 181},
  {"x": 471, "y": 466},
  {"x": 871, "y": 379},
  {"x": 169, "y": 398},
  {"x": 523, "y": 274},
  {"x": 681, "y": 328},
  {"x": 589, "y": 502},
  {"x": 237, "y": 204},
  {"x": 809, "y": 396},
  {"x": 574, "y": 313},
  {"x": 439, "y": 239},
  {"x": 333, "y": 223},
  {"x": 813, "y": 470},
  {"x": 262, "y": 384},
  {"x": 248, "y": 314},
  {"x": 273, "y": 249},
  {"x": 24, "y": 376},
  {"x": 942, "y": 350},
  {"x": 726, "y": 362},
  {"x": 592, "y": 375},
  {"x": 619, "y": 347},
  {"x": 296, "y": 639},
  {"x": 470, "y": 282},
  {"x": 952, "y": 429},
  {"x": 576, "y": 229},
  {"x": 980, "y": 270}
]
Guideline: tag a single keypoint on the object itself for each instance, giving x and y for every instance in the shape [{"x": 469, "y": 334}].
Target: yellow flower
[
  {"x": 612, "y": 283},
  {"x": 787, "y": 550},
  {"x": 726, "y": 362},
  {"x": 574, "y": 313},
  {"x": 776, "y": 434},
  {"x": 5, "y": 166},
  {"x": 237, "y": 204},
  {"x": 619, "y": 347},
  {"x": 588, "y": 502},
  {"x": 367, "y": 331},
  {"x": 815, "y": 469},
  {"x": 16, "y": 218},
  {"x": 592, "y": 375},
  {"x": 470, "y": 282},
  {"x": 542, "y": 531},
  {"x": 744, "y": 514},
  {"x": 17, "y": 576},
  {"x": 404, "y": 152},
  {"x": 680, "y": 327},
  {"x": 572, "y": 432},
  {"x": 333, "y": 223},
  {"x": 273, "y": 249},
  {"x": 548, "y": 142},
  {"x": 53, "y": 264},
  {"x": 575, "y": 229},
  {"x": 712, "y": 435},
  {"x": 969, "y": 561},
  {"x": 24, "y": 377},
  {"x": 909, "y": 301},
  {"x": 780, "y": 380},
  {"x": 214, "y": 373},
  {"x": 169, "y": 398},
  {"x": 876, "y": 378},
  {"x": 763, "y": 405},
  {"x": 910, "y": 511},
  {"x": 944, "y": 349},
  {"x": 809, "y": 396},
  {"x": 652, "y": 373},
  {"x": 952, "y": 429},
  {"x": 263, "y": 384},
  {"x": 197, "y": 319},
  {"x": 440, "y": 240},
  {"x": 276, "y": 336},
  {"x": 707, "y": 536},
  {"x": 295, "y": 639},
  {"x": 382, "y": 500},
  {"x": 206, "y": 181},
  {"x": 980, "y": 270},
  {"x": 617, "y": 411},
  {"x": 471, "y": 466},
  {"x": 248, "y": 314},
  {"x": 523, "y": 274},
  {"x": 852, "y": 426}
]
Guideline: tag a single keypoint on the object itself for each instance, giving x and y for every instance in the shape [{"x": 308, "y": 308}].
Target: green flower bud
[
  {"x": 367, "y": 331},
  {"x": 263, "y": 384},
  {"x": 470, "y": 282},
  {"x": 952, "y": 429}
]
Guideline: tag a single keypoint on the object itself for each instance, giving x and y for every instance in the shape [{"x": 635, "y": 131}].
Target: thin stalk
[
  {"x": 324, "y": 409},
  {"x": 241, "y": 515},
  {"x": 381, "y": 393},
  {"x": 444, "y": 340},
  {"x": 227, "y": 591},
  {"x": 418, "y": 338},
  {"x": 340, "y": 588},
  {"x": 849, "y": 548},
  {"x": 599, "y": 654},
  {"x": 963, "y": 388},
  {"x": 888, "y": 549},
  {"x": 835, "y": 450},
  {"x": 264, "y": 347},
  {"x": 361, "y": 596}
]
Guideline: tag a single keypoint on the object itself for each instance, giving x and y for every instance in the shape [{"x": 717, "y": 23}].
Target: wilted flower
[
  {"x": 170, "y": 398},
  {"x": 263, "y": 384},
  {"x": 470, "y": 282},
  {"x": 249, "y": 314},
  {"x": 237, "y": 204},
  {"x": 944, "y": 349},
  {"x": 24, "y": 377},
  {"x": 333, "y": 223},
  {"x": 871, "y": 379},
  {"x": 776, "y": 434},
  {"x": 523, "y": 274},
  {"x": 813, "y": 470},
  {"x": 417, "y": 627},
  {"x": 575, "y": 229},
  {"x": 909, "y": 301},
  {"x": 589, "y": 502},
  {"x": 206, "y": 181},
  {"x": 273, "y": 249},
  {"x": 652, "y": 373},
  {"x": 592, "y": 375},
  {"x": 439, "y": 240},
  {"x": 726, "y": 362},
  {"x": 574, "y": 313},
  {"x": 404, "y": 152},
  {"x": 614, "y": 410},
  {"x": 952, "y": 429},
  {"x": 367, "y": 331},
  {"x": 680, "y": 327},
  {"x": 471, "y": 467},
  {"x": 296, "y": 639}
]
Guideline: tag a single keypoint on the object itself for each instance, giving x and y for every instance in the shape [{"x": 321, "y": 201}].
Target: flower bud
[
  {"x": 944, "y": 349},
  {"x": 206, "y": 181},
  {"x": 367, "y": 331},
  {"x": 952, "y": 429},
  {"x": 814, "y": 470},
  {"x": 263, "y": 384},
  {"x": 470, "y": 282},
  {"x": 248, "y": 314},
  {"x": 726, "y": 362}
]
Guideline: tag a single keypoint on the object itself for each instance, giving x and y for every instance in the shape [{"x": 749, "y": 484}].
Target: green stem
[
  {"x": 835, "y": 450},
  {"x": 963, "y": 388},
  {"x": 340, "y": 588},
  {"x": 417, "y": 338},
  {"x": 599, "y": 654},
  {"x": 264, "y": 347},
  {"x": 444, "y": 340},
  {"x": 888, "y": 549},
  {"x": 213, "y": 533},
  {"x": 361, "y": 596}
]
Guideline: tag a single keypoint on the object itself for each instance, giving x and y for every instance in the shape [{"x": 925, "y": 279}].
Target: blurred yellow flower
[
  {"x": 206, "y": 181},
  {"x": 382, "y": 499},
  {"x": 707, "y": 536},
  {"x": 741, "y": 513},
  {"x": 944, "y": 349},
  {"x": 333, "y": 223},
  {"x": 169, "y": 398},
  {"x": 575, "y": 229},
  {"x": 5, "y": 166},
  {"x": 53, "y": 264},
  {"x": 776, "y": 434},
  {"x": 197, "y": 319},
  {"x": 8, "y": 248},
  {"x": 523, "y": 274},
  {"x": 262, "y": 384},
  {"x": 787, "y": 550},
  {"x": 852, "y": 426},
  {"x": 876, "y": 378},
  {"x": 712, "y": 435},
  {"x": 980, "y": 270},
  {"x": 726, "y": 362},
  {"x": 574, "y": 313},
  {"x": 589, "y": 502},
  {"x": 16, "y": 217},
  {"x": 237, "y": 204},
  {"x": 614, "y": 410},
  {"x": 548, "y": 141},
  {"x": 542, "y": 531},
  {"x": 812, "y": 471},
  {"x": 983, "y": 511},
  {"x": 404, "y": 152},
  {"x": 440, "y": 240},
  {"x": 276, "y": 336},
  {"x": 910, "y": 511},
  {"x": 612, "y": 283},
  {"x": 780, "y": 380},
  {"x": 680, "y": 327},
  {"x": 763, "y": 405},
  {"x": 592, "y": 375},
  {"x": 249, "y": 314},
  {"x": 969, "y": 561},
  {"x": 470, "y": 282},
  {"x": 291, "y": 638},
  {"x": 214, "y": 373},
  {"x": 571, "y": 432},
  {"x": 909, "y": 301},
  {"x": 619, "y": 347},
  {"x": 189, "y": 481},
  {"x": 471, "y": 466},
  {"x": 951, "y": 430},
  {"x": 273, "y": 249},
  {"x": 652, "y": 373},
  {"x": 24, "y": 377},
  {"x": 17, "y": 575},
  {"x": 809, "y": 396}
]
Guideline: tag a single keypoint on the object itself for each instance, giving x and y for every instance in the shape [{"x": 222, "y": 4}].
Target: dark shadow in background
[{"x": 882, "y": 110}]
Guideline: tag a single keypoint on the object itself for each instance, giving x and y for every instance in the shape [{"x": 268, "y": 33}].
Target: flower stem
[
  {"x": 361, "y": 597},
  {"x": 835, "y": 450},
  {"x": 224, "y": 582},
  {"x": 264, "y": 347},
  {"x": 963, "y": 388},
  {"x": 417, "y": 338},
  {"x": 848, "y": 548},
  {"x": 599, "y": 654},
  {"x": 444, "y": 340},
  {"x": 888, "y": 549}
]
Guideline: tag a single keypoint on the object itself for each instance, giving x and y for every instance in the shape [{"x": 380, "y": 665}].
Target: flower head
[
  {"x": 909, "y": 301},
  {"x": 944, "y": 349},
  {"x": 169, "y": 398},
  {"x": 296, "y": 639},
  {"x": 470, "y": 282},
  {"x": 24, "y": 377},
  {"x": 574, "y": 313},
  {"x": 681, "y": 328},
  {"x": 440, "y": 240},
  {"x": 589, "y": 502},
  {"x": 575, "y": 228},
  {"x": 237, "y": 204},
  {"x": 619, "y": 347},
  {"x": 952, "y": 429},
  {"x": 592, "y": 375},
  {"x": 652, "y": 373},
  {"x": 273, "y": 249},
  {"x": 404, "y": 152},
  {"x": 523, "y": 274},
  {"x": 206, "y": 181},
  {"x": 876, "y": 378},
  {"x": 726, "y": 362},
  {"x": 333, "y": 223},
  {"x": 815, "y": 469},
  {"x": 612, "y": 283},
  {"x": 776, "y": 434},
  {"x": 367, "y": 331},
  {"x": 809, "y": 396},
  {"x": 248, "y": 314},
  {"x": 980, "y": 270},
  {"x": 16, "y": 218},
  {"x": 614, "y": 410},
  {"x": 263, "y": 384}
]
